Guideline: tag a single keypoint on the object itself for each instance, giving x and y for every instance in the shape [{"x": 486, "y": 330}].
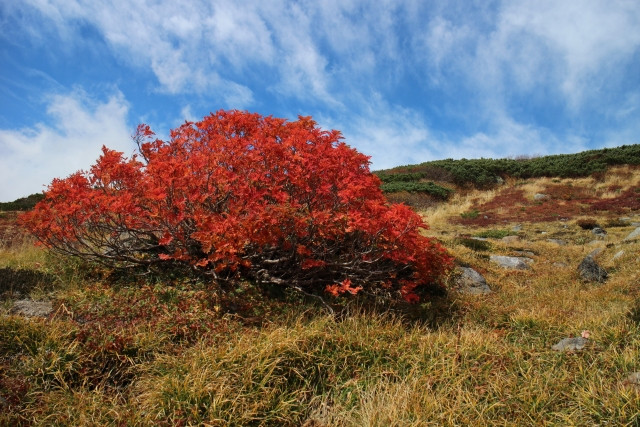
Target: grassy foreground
[{"x": 171, "y": 352}]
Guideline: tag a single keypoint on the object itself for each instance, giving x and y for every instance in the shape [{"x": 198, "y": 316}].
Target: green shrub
[
  {"x": 23, "y": 203},
  {"x": 495, "y": 234},
  {"x": 472, "y": 214},
  {"x": 483, "y": 173},
  {"x": 417, "y": 187}
]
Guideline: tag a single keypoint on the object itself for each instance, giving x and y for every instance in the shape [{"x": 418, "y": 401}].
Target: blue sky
[{"x": 405, "y": 81}]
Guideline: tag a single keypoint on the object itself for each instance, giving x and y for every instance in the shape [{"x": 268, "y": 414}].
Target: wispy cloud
[{"x": 32, "y": 157}]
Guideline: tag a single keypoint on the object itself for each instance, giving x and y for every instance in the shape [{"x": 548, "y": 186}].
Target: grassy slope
[{"x": 158, "y": 355}]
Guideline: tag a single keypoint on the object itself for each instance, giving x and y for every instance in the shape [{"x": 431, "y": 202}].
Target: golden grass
[{"x": 489, "y": 364}]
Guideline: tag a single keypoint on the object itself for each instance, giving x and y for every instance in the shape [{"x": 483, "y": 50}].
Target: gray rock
[
  {"x": 571, "y": 344},
  {"x": 633, "y": 235},
  {"x": 517, "y": 227},
  {"x": 511, "y": 262},
  {"x": 590, "y": 270},
  {"x": 30, "y": 308},
  {"x": 471, "y": 282},
  {"x": 557, "y": 241},
  {"x": 598, "y": 231},
  {"x": 540, "y": 196}
]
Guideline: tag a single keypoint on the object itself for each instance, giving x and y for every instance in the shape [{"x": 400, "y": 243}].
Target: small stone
[
  {"x": 618, "y": 255},
  {"x": 634, "y": 234},
  {"x": 30, "y": 308},
  {"x": 571, "y": 344},
  {"x": 594, "y": 253},
  {"x": 471, "y": 282},
  {"x": 510, "y": 239},
  {"x": 511, "y": 262},
  {"x": 598, "y": 231},
  {"x": 540, "y": 196},
  {"x": 560, "y": 264},
  {"x": 517, "y": 227},
  {"x": 590, "y": 270}
]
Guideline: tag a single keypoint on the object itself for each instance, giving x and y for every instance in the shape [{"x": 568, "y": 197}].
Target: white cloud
[
  {"x": 392, "y": 135},
  {"x": 486, "y": 62},
  {"x": 30, "y": 158},
  {"x": 584, "y": 37},
  {"x": 565, "y": 47}
]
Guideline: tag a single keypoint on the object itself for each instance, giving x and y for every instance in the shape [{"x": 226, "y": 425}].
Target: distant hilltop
[{"x": 486, "y": 173}]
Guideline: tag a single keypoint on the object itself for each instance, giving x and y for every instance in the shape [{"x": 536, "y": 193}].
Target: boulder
[
  {"x": 590, "y": 270},
  {"x": 511, "y": 262},
  {"x": 571, "y": 344},
  {"x": 469, "y": 281}
]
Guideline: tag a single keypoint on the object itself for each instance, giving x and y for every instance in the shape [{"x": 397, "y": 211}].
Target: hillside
[
  {"x": 426, "y": 183},
  {"x": 103, "y": 349},
  {"x": 21, "y": 204}
]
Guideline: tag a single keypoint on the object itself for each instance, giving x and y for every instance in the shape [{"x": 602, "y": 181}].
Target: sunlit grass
[{"x": 176, "y": 353}]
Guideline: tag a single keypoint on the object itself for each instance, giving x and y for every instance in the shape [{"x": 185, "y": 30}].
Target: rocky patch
[
  {"x": 30, "y": 308},
  {"x": 469, "y": 281}
]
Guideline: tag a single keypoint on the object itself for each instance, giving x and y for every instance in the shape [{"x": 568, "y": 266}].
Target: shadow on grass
[{"x": 19, "y": 283}]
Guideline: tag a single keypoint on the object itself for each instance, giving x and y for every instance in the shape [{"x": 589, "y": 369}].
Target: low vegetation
[
  {"x": 168, "y": 349},
  {"x": 486, "y": 173},
  {"x": 21, "y": 204}
]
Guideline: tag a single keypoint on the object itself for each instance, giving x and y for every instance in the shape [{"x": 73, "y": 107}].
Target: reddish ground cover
[{"x": 563, "y": 202}]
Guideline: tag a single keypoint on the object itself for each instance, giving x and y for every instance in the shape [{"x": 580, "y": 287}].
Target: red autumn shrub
[{"x": 239, "y": 195}]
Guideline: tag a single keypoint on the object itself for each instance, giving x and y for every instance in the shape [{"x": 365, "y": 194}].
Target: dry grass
[{"x": 489, "y": 364}]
